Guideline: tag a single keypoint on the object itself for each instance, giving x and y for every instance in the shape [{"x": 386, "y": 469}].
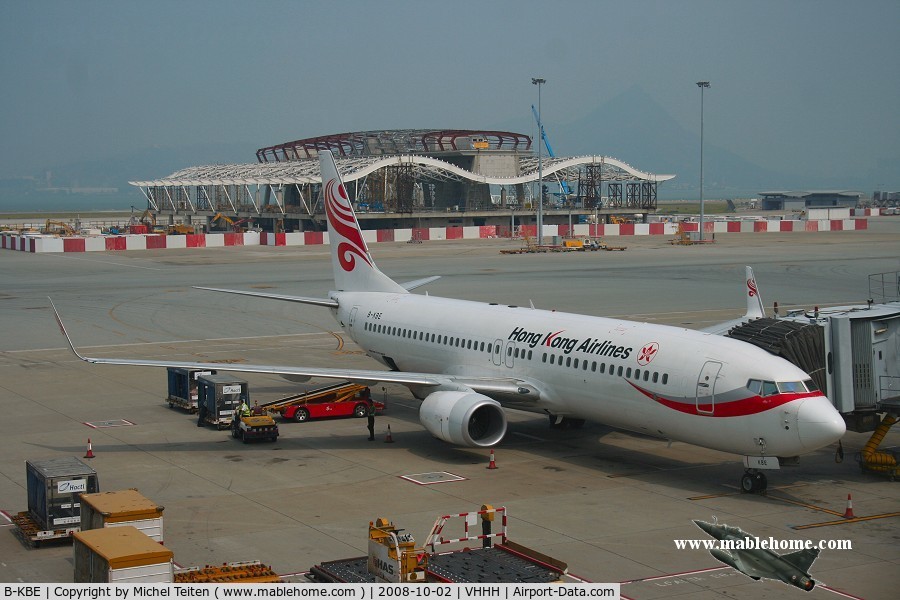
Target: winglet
[
  {"x": 65, "y": 333},
  {"x": 755, "y": 309}
]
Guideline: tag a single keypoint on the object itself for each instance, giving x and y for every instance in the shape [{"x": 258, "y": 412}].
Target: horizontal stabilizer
[
  {"x": 301, "y": 299},
  {"x": 417, "y": 283}
]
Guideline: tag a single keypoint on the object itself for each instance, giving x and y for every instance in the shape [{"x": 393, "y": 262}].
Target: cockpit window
[
  {"x": 811, "y": 385},
  {"x": 791, "y": 387},
  {"x": 755, "y": 386},
  {"x": 769, "y": 388}
]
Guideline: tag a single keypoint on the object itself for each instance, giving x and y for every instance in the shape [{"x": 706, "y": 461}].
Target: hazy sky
[{"x": 805, "y": 84}]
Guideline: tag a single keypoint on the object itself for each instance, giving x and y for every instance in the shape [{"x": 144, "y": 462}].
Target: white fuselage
[{"x": 665, "y": 381}]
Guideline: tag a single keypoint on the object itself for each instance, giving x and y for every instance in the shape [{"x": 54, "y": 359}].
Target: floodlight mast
[
  {"x": 702, "y": 85},
  {"x": 539, "y": 81}
]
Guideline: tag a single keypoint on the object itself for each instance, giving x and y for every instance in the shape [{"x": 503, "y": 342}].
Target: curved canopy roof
[
  {"x": 394, "y": 141},
  {"x": 351, "y": 169}
]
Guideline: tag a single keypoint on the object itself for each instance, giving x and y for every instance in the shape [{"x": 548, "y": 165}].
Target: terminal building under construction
[{"x": 404, "y": 178}]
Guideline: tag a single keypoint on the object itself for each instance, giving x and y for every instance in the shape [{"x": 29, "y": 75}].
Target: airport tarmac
[{"x": 608, "y": 503}]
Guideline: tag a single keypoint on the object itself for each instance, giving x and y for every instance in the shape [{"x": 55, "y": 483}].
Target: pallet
[{"x": 236, "y": 572}]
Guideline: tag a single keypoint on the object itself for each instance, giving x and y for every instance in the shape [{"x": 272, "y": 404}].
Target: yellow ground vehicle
[
  {"x": 255, "y": 427},
  {"x": 232, "y": 224},
  {"x": 181, "y": 229},
  {"x": 58, "y": 228}
]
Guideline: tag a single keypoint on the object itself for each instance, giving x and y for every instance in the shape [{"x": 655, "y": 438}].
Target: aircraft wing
[
  {"x": 507, "y": 387},
  {"x": 748, "y": 568}
]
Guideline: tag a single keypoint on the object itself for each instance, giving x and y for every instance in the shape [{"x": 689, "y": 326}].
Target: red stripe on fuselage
[{"x": 736, "y": 408}]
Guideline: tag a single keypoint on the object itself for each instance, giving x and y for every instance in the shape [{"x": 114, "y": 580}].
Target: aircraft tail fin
[
  {"x": 354, "y": 269},
  {"x": 802, "y": 559},
  {"x": 755, "y": 309}
]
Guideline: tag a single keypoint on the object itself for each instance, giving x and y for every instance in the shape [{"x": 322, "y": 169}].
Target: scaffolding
[{"x": 590, "y": 186}]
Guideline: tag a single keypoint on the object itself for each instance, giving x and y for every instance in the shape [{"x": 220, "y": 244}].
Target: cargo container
[
  {"x": 221, "y": 396},
  {"x": 183, "y": 387},
  {"x": 122, "y": 508},
  {"x": 120, "y": 555},
  {"x": 54, "y": 487}
]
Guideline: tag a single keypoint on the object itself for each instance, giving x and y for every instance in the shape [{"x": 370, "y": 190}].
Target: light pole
[
  {"x": 702, "y": 85},
  {"x": 540, "y": 210}
]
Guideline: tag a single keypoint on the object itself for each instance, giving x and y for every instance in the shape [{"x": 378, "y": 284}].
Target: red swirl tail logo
[
  {"x": 343, "y": 224},
  {"x": 751, "y": 288}
]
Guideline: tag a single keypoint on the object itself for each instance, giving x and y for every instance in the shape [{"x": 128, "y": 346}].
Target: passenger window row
[
  {"x": 585, "y": 364},
  {"x": 436, "y": 338},
  {"x": 520, "y": 353}
]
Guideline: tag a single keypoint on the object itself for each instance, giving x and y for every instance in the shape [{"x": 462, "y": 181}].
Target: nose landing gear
[{"x": 753, "y": 482}]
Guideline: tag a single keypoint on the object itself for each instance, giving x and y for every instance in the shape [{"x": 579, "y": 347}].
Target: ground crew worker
[
  {"x": 370, "y": 418},
  {"x": 370, "y": 414},
  {"x": 201, "y": 414},
  {"x": 244, "y": 410}
]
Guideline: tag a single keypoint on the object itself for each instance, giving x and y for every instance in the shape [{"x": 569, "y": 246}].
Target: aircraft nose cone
[
  {"x": 819, "y": 424},
  {"x": 707, "y": 527}
]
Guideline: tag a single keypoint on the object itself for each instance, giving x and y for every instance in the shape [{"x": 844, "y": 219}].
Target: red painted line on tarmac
[
  {"x": 6, "y": 516},
  {"x": 838, "y": 592},
  {"x": 818, "y": 585},
  {"x": 673, "y": 575}
]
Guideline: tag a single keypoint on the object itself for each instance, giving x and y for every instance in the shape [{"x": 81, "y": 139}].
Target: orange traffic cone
[
  {"x": 493, "y": 463},
  {"x": 90, "y": 451},
  {"x": 389, "y": 439},
  {"x": 848, "y": 514}
]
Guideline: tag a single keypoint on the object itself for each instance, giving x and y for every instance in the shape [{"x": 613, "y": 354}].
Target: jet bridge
[{"x": 851, "y": 352}]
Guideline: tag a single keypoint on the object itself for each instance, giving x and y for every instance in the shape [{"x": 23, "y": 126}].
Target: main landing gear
[
  {"x": 557, "y": 422},
  {"x": 753, "y": 482}
]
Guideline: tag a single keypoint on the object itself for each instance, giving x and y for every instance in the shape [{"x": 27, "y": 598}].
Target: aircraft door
[
  {"x": 497, "y": 354},
  {"x": 351, "y": 322},
  {"x": 706, "y": 387},
  {"x": 510, "y": 350}
]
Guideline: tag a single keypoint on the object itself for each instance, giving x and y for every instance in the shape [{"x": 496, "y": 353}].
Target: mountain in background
[
  {"x": 102, "y": 184},
  {"x": 632, "y": 127},
  {"x": 636, "y": 129}
]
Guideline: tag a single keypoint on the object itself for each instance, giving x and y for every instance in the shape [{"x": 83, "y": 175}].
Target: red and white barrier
[{"x": 43, "y": 244}]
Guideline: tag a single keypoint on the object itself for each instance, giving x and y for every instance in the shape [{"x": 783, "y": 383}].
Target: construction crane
[{"x": 562, "y": 184}]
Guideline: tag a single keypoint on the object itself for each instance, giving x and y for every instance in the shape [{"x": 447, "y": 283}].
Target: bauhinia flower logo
[{"x": 647, "y": 353}]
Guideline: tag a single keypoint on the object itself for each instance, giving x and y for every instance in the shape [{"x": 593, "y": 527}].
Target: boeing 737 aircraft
[{"x": 466, "y": 360}]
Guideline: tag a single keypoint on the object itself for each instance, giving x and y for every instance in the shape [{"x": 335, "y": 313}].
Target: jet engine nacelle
[
  {"x": 463, "y": 418},
  {"x": 803, "y": 582}
]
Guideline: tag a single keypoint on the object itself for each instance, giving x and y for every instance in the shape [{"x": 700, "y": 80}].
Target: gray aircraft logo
[{"x": 761, "y": 563}]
